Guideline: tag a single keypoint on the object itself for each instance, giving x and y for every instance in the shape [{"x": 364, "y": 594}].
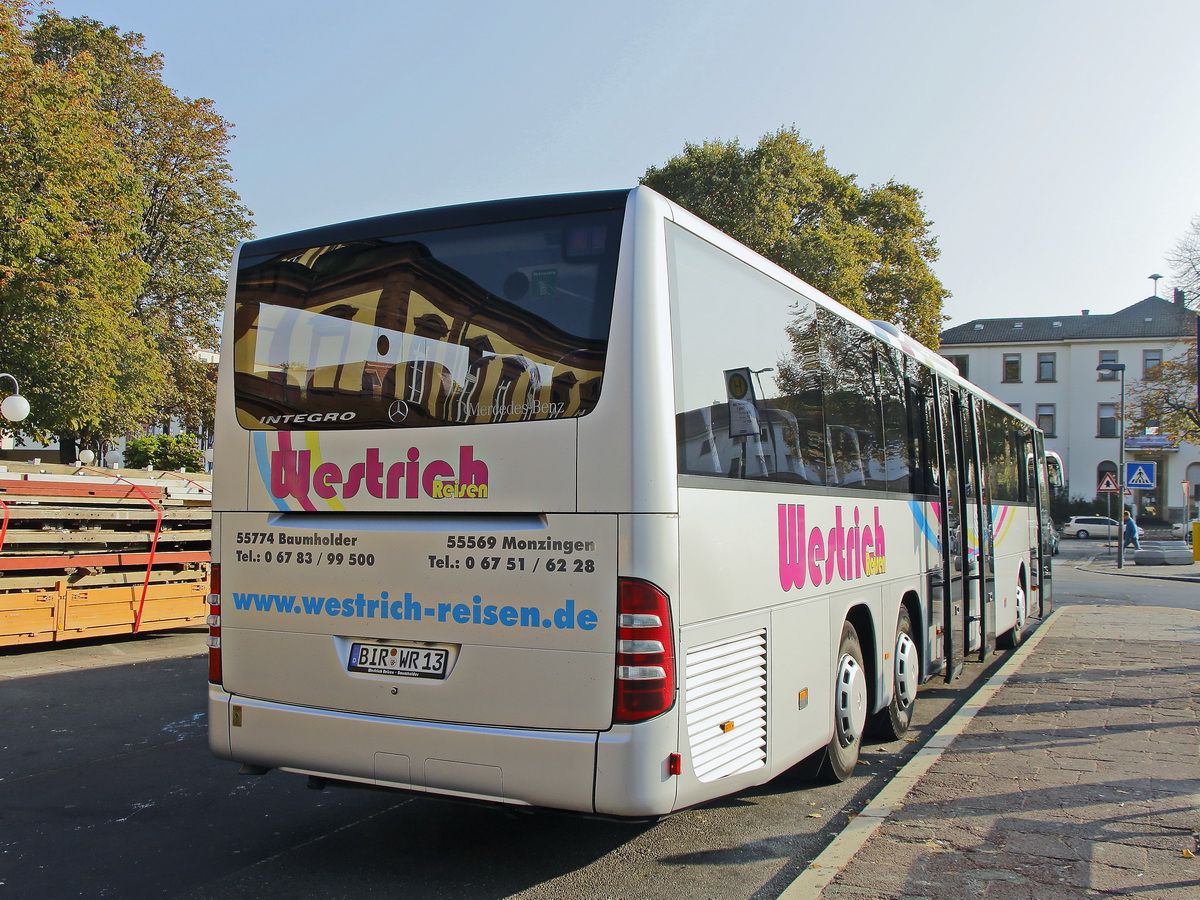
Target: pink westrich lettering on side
[
  {"x": 793, "y": 569},
  {"x": 292, "y": 476},
  {"x": 839, "y": 553}
]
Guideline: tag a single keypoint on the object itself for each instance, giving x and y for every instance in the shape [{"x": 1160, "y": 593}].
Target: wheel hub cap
[
  {"x": 907, "y": 663},
  {"x": 851, "y": 701}
]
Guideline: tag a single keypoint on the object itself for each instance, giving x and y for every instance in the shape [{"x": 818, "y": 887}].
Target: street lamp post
[{"x": 1119, "y": 367}]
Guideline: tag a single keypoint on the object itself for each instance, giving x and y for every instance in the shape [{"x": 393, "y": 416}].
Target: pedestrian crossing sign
[{"x": 1141, "y": 475}]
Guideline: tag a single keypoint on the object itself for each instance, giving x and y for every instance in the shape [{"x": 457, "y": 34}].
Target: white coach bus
[{"x": 575, "y": 502}]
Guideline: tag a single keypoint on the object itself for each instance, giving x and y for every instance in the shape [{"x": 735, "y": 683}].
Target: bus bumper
[{"x": 523, "y": 767}]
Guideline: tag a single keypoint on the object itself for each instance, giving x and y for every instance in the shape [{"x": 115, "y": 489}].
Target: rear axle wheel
[
  {"x": 849, "y": 709},
  {"x": 892, "y": 722}
]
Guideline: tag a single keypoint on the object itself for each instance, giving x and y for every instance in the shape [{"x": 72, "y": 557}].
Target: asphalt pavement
[{"x": 1074, "y": 772}]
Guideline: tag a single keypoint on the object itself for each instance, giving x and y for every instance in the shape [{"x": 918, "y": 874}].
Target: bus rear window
[{"x": 502, "y": 322}]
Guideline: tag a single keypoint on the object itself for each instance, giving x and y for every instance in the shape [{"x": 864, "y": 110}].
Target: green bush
[{"x": 165, "y": 451}]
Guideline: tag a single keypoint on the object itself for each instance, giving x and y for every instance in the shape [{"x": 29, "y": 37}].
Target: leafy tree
[
  {"x": 870, "y": 249},
  {"x": 165, "y": 451},
  {"x": 1166, "y": 397},
  {"x": 1185, "y": 263},
  {"x": 191, "y": 219},
  {"x": 71, "y": 205}
]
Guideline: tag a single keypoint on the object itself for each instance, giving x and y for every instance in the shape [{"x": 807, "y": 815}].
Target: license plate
[{"x": 397, "y": 659}]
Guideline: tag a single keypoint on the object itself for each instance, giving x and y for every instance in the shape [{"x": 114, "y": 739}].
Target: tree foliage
[
  {"x": 71, "y": 206},
  {"x": 165, "y": 451},
  {"x": 1165, "y": 398},
  {"x": 870, "y": 249},
  {"x": 125, "y": 221},
  {"x": 192, "y": 217},
  {"x": 1185, "y": 263}
]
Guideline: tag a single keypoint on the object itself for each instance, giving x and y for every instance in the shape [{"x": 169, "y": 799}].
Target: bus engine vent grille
[{"x": 725, "y": 697}]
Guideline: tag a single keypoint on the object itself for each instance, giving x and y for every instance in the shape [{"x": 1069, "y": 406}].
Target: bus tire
[
  {"x": 849, "y": 709},
  {"x": 1012, "y": 638},
  {"x": 891, "y": 723}
]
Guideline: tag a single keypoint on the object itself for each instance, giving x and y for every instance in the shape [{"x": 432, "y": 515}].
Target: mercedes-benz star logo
[{"x": 398, "y": 411}]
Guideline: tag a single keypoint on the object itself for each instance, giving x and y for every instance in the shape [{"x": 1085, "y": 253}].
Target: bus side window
[
  {"x": 899, "y": 455},
  {"x": 853, "y": 417},
  {"x": 802, "y": 383},
  {"x": 924, "y": 401},
  {"x": 1024, "y": 450}
]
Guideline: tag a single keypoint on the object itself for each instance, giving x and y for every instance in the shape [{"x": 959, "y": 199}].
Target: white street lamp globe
[
  {"x": 112, "y": 457},
  {"x": 87, "y": 457},
  {"x": 14, "y": 407}
]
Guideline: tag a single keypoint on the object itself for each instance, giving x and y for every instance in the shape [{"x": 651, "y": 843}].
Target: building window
[
  {"x": 1151, "y": 360},
  {"x": 1046, "y": 419},
  {"x": 1106, "y": 420},
  {"x": 1012, "y": 367},
  {"x": 1046, "y": 367},
  {"x": 1016, "y": 406},
  {"x": 961, "y": 363},
  {"x": 1107, "y": 356}
]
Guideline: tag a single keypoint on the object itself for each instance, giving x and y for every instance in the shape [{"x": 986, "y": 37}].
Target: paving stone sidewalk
[{"x": 1079, "y": 778}]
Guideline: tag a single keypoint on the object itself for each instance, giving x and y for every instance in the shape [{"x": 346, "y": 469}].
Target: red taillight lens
[
  {"x": 214, "y": 625},
  {"x": 645, "y": 684}
]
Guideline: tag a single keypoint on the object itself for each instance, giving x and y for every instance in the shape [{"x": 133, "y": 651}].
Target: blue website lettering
[{"x": 476, "y": 612}]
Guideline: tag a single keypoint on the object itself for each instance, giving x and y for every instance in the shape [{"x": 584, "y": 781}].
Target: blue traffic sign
[{"x": 1141, "y": 475}]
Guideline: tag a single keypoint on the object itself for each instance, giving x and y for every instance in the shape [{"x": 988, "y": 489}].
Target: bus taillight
[
  {"x": 214, "y": 625},
  {"x": 645, "y": 684}
]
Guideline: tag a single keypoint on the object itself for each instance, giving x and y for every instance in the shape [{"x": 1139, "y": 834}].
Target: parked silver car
[
  {"x": 1183, "y": 532},
  {"x": 1094, "y": 526}
]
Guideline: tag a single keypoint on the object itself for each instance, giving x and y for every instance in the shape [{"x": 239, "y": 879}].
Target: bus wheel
[
  {"x": 1013, "y": 638},
  {"x": 891, "y": 722},
  {"x": 849, "y": 709}
]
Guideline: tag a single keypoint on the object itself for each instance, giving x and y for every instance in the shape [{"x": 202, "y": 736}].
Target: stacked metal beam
[{"x": 90, "y": 552}]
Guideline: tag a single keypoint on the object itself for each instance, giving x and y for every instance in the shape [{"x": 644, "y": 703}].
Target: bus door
[
  {"x": 987, "y": 532},
  {"x": 976, "y": 542},
  {"x": 953, "y": 556},
  {"x": 1040, "y": 494}
]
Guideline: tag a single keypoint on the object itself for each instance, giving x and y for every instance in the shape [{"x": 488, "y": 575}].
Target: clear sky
[{"x": 1055, "y": 141}]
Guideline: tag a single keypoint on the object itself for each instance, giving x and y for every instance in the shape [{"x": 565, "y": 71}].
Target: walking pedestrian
[{"x": 1131, "y": 533}]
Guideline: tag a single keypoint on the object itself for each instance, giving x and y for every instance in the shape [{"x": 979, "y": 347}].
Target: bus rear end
[{"x": 419, "y": 507}]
